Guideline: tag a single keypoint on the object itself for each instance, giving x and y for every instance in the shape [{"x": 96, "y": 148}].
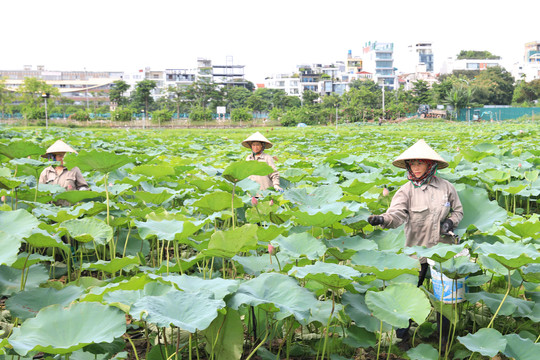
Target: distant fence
[
  {"x": 496, "y": 113},
  {"x": 106, "y": 116}
]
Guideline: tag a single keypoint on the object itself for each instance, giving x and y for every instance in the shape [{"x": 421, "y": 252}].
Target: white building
[
  {"x": 378, "y": 59},
  {"x": 421, "y": 53},
  {"x": 286, "y": 82},
  {"x": 451, "y": 64}
]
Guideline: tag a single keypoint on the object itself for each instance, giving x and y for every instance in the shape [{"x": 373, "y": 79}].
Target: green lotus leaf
[
  {"x": 423, "y": 352},
  {"x": 358, "y": 187},
  {"x": 126, "y": 298},
  {"x": 197, "y": 312},
  {"x": 255, "y": 265},
  {"x": 20, "y": 149},
  {"x": 357, "y": 337},
  {"x": 18, "y": 223},
  {"x": 112, "y": 266},
  {"x": 7, "y": 181},
  {"x": 167, "y": 229},
  {"x": 97, "y": 289},
  {"x": 511, "y": 256},
  {"x": 529, "y": 228},
  {"x": 511, "y": 306},
  {"x": 42, "y": 238},
  {"x": 293, "y": 175},
  {"x": 94, "y": 160},
  {"x": 10, "y": 278},
  {"x": 492, "y": 265},
  {"x": 351, "y": 243},
  {"x": 219, "y": 287},
  {"x": 520, "y": 348},
  {"x": 59, "y": 330},
  {"x": 438, "y": 253},
  {"x": 322, "y": 195},
  {"x": 239, "y": 170},
  {"x": 330, "y": 275},
  {"x": 458, "y": 267},
  {"x": 356, "y": 308},
  {"x": 265, "y": 234},
  {"x": 384, "y": 264},
  {"x": 513, "y": 188},
  {"x": 24, "y": 260},
  {"x": 76, "y": 196},
  {"x": 300, "y": 245},
  {"x": 322, "y": 216},
  {"x": 88, "y": 229},
  {"x": 10, "y": 245},
  {"x": 391, "y": 239},
  {"x": 323, "y": 310},
  {"x": 27, "y": 304},
  {"x": 398, "y": 303},
  {"x": 229, "y": 243},
  {"x": 217, "y": 201},
  {"x": 478, "y": 210},
  {"x": 531, "y": 273},
  {"x": 29, "y": 166},
  {"x": 153, "y": 198},
  {"x": 154, "y": 171},
  {"x": 225, "y": 336},
  {"x": 274, "y": 292},
  {"x": 487, "y": 342}
]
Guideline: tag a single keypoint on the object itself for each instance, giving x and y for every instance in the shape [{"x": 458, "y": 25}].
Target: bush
[
  {"x": 275, "y": 114},
  {"x": 34, "y": 113},
  {"x": 305, "y": 114},
  {"x": 200, "y": 114},
  {"x": 121, "y": 114},
  {"x": 160, "y": 116},
  {"x": 241, "y": 114},
  {"x": 80, "y": 115}
]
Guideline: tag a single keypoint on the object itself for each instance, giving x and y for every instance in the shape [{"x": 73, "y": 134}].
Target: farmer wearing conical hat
[
  {"x": 429, "y": 205},
  {"x": 59, "y": 174},
  {"x": 258, "y": 143}
]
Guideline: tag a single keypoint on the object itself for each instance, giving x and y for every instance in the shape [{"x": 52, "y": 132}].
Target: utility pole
[
  {"x": 45, "y": 96},
  {"x": 384, "y": 114},
  {"x": 336, "y": 115}
]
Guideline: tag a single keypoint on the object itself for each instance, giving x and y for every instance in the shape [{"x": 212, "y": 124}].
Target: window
[
  {"x": 384, "y": 64},
  {"x": 473, "y": 66}
]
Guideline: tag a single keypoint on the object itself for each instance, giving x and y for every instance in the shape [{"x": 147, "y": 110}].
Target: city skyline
[{"x": 266, "y": 37}]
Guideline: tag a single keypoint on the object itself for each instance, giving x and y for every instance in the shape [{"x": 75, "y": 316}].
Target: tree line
[{"x": 362, "y": 102}]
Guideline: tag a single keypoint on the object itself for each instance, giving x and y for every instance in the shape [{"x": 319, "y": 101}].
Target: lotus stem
[
  {"x": 133, "y": 347},
  {"x": 190, "y": 355},
  {"x": 328, "y": 325},
  {"x": 258, "y": 346},
  {"x": 380, "y": 340},
  {"x": 23, "y": 281},
  {"x": 502, "y": 302},
  {"x": 538, "y": 338},
  {"x": 232, "y": 204},
  {"x": 390, "y": 344},
  {"x": 441, "y": 313},
  {"x": 107, "y": 194}
]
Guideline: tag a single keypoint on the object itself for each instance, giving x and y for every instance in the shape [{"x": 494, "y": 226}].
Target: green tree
[
  {"x": 203, "y": 94},
  {"x": 241, "y": 114},
  {"x": 143, "y": 94},
  {"x": 309, "y": 97},
  {"x": 494, "y": 86},
  {"x": 476, "y": 54},
  {"x": 31, "y": 95},
  {"x": 6, "y": 98},
  {"x": 526, "y": 92},
  {"x": 116, "y": 93},
  {"x": 179, "y": 97},
  {"x": 459, "y": 96},
  {"x": 422, "y": 92},
  {"x": 236, "y": 97}
]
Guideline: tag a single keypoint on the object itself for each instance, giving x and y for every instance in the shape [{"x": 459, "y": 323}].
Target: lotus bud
[
  {"x": 457, "y": 149},
  {"x": 271, "y": 202},
  {"x": 519, "y": 165},
  {"x": 271, "y": 249},
  {"x": 254, "y": 201},
  {"x": 3, "y": 198},
  {"x": 385, "y": 192}
]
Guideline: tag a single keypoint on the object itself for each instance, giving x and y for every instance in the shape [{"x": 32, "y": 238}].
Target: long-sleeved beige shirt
[
  {"x": 68, "y": 179},
  {"x": 423, "y": 209},
  {"x": 267, "y": 180}
]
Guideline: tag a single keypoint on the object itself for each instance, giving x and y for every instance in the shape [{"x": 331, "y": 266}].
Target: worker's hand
[
  {"x": 375, "y": 220},
  {"x": 278, "y": 188},
  {"x": 447, "y": 226}
]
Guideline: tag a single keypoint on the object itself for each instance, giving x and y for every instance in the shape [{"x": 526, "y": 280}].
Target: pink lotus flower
[
  {"x": 519, "y": 165},
  {"x": 254, "y": 201},
  {"x": 3, "y": 198},
  {"x": 457, "y": 149},
  {"x": 385, "y": 192},
  {"x": 271, "y": 202},
  {"x": 271, "y": 249}
]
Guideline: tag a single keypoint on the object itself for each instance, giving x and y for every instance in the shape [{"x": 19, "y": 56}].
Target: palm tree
[{"x": 459, "y": 96}]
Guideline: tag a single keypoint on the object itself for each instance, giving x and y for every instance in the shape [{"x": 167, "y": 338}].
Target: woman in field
[
  {"x": 258, "y": 143},
  {"x": 428, "y": 205},
  {"x": 59, "y": 174}
]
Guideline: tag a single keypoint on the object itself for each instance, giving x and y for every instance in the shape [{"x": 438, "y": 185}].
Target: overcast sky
[{"x": 266, "y": 36}]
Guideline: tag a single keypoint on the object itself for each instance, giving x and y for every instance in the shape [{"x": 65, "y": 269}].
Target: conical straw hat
[
  {"x": 59, "y": 147},
  {"x": 420, "y": 150},
  {"x": 257, "y": 137}
]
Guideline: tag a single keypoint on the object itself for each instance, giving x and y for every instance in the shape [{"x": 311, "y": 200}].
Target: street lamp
[
  {"x": 143, "y": 119},
  {"x": 336, "y": 105},
  {"x": 45, "y": 96}
]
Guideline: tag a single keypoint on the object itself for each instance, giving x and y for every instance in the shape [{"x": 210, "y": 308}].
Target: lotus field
[{"x": 172, "y": 255}]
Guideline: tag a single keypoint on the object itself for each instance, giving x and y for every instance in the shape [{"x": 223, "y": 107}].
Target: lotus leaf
[
  {"x": 197, "y": 312},
  {"x": 458, "y": 267},
  {"x": 10, "y": 245},
  {"x": 27, "y": 304},
  {"x": 10, "y": 278},
  {"x": 225, "y": 336},
  {"x": 18, "y": 223},
  {"x": 511, "y": 306},
  {"x": 275, "y": 292},
  {"x": 88, "y": 229},
  {"x": 324, "y": 310},
  {"x": 487, "y": 342},
  {"x": 240, "y": 170},
  {"x": 478, "y": 210},
  {"x": 330, "y": 275},
  {"x": 351, "y": 242},
  {"x": 219, "y": 287},
  {"x": 155, "y": 171},
  {"x": 59, "y": 330},
  {"x": 255, "y": 265},
  {"x": 20, "y": 149},
  {"x": 323, "y": 216},
  {"x": 398, "y": 303},
  {"x": 165, "y": 229},
  {"x": 512, "y": 256},
  {"x": 114, "y": 265},
  {"x": 217, "y": 201},
  {"x": 42, "y": 238},
  {"x": 520, "y": 348},
  {"x": 356, "y": 308},
  {"x": 95, "y": 160},
  {"x": 529, "y": 228},
  {"x": 24, "y": 260},
  {"x": 531, "y": 273},
  {"x": 299, "y": 245},
  {"x": 391, "y": 239},
  {"x": 386, "y": 265},
  {"x": 126, "y": 298},
  {"x": 322, "y": 195},
  {"x": 423, "y": 352},
  {"x": 76, "y": 196}
]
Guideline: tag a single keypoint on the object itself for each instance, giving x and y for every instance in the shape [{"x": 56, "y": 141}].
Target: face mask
[{"x": 51, "y": 157}]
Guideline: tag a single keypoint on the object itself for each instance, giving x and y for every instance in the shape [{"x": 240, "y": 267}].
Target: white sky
[{"x": 266, "y": 36}]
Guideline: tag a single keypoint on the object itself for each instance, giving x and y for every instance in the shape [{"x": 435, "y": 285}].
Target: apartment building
[
  {"x": 421, "y": 53},
  {"x": 378, "y": 59}
]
